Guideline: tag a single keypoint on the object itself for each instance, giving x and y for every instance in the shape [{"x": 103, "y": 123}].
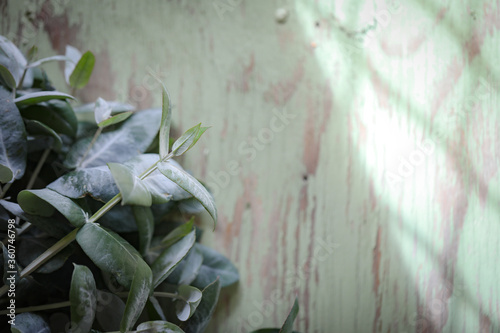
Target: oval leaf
[
  {"x": 170, "y": 257},
  {"x": 56, "y": 114},
  {"x": 28, "y": 323},
  {"x": 42, "y": 202},
  {"x": 199, "y": 321},
  {"x": 190, "y": 185},
  {"x": 215, "y": 265},
  {"x": 12, "y": 59},
  {"x": 111, "y": 309},
  {"x": 158, "y": 327},
  {"x": 115, "y": 119},
  {"x": 132, "y": 189},
  {"x": 83, "y": 69},
  {"x": 13, "y": 144},
  {"x": 188, "y": 300},
  {"x": 145, "y": 225},
  {"x": 182, "y": 144},
  {"x": 40, "y": 96},
  {"x": 74, "y": 55},
  {"x": 7, "y": 77},
  {"x": 83, "y": 298},
  {"x": 166, "y": 120}
]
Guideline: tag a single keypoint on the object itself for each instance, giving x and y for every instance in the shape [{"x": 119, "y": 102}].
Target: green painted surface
[{"x": 375, "y": 200}]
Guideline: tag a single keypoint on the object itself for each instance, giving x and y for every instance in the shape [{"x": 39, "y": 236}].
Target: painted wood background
[{"x": 354, "y": 148}]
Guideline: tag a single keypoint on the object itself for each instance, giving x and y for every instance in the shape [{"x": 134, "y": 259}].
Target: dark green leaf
[
  {"x": 42, "y": 202},
  {"x": 12, "y": 59},
  {"x": 170, "y": 257},
  {"x": 83, "y": 298},
  {"x": 7, "y": 77},
  {"x": 132, "y": 189},
  {"x": 188, "y": 268},
  {"x": 34, "y": 127},
  {"x": 13, "y": 145},
  {"x": 139, "y": 293},
  {"x": 215, "y": 265},
  {"x": 56, "y": 114},
  {"x": 178, "y": 233},
  {"x": 145, "y": 225},
  {"x": 29, "y": 323},
  {"x": 182, "y": 144},
  {"x": 132, "y": 138},
  {"x": 158, "y": 327},
  {"x": 110, "y": 309},
  {"x": 190, "y": 185},
  {"x": 199, "y": 321},
  {"x": 288, "y": 325},
  {"x": 115, "y": 119},
  {"x": 166, "y": 120},
  {"x": 40, "y": 96},
  {"x": 83, "y": 69},
  {"x": 188, "y": 300}
]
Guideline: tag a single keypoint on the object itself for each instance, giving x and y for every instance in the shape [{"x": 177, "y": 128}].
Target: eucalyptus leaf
[
  {"x": 182, "y": 144},
  {"x": 170, "y": 257},
  {"x": 29, "y": 323},
  {"x": 115, "y": 119},
  {"x": 74, "y": 55},
  {"x": 288, "y": 325},
  {"x": 132, "y": 138},
  {"x": 188, "y": 300},
  {"x": 42, "y": 202},
  {"x": 34, "y": 127},
  {"x": 83, "y": 69},
  {"x": 56, "y": 114},
  {"x": 140, "y": 291},
  {"x": 200, "y": 319},
  {"x": 190, "y": 185},
  {"x": 48, "y": 59},
  {"x": 132, "y": 189},
  {"x": 83, "y": 298},
  {"x": 178, "y": 233},
  {"x": 12, "y": 59},
  {"x": 110, "y": 309},
  {"x": 102, "y": 110},
  {"x": 158, "y": 327},
  {"x": 13, "y": 145},
  {"x": 40, "y": 96},
  {"x": 145, "y": 225},
  {"x": 7, "y": 77},
  {"x": 188, "y": 269},
  {"x": 166, "y": 120},
  {"x": 214, "y": 265}
]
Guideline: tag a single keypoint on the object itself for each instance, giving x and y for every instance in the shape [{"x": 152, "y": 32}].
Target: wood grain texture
[{"x": 354, "y": 149}]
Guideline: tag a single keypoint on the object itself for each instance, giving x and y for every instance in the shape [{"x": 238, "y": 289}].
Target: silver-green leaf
[{"x": 83, "y": 298}]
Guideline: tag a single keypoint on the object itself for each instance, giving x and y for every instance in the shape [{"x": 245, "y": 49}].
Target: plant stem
[
  {"x": 38, "y": 168},
  {"x": 5, "y": 189},
  {"x": 20, "y": 85},
  {"x": 155, "y": 293},
  {"x": 40, "y": 307},
  {"x": 104, "y": 209},
  {"x": 96, "y": 135}
]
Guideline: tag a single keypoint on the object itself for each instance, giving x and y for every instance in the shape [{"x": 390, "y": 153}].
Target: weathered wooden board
[{"x": 354, "y": 149}]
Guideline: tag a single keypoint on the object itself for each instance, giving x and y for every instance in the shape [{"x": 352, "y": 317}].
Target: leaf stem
[
  {"x": 38, "y": 167},
  {"x": 39, "y": 307},
  {"x": 96, "y": 135},
  {"x": 5, "y": 189},
  {"x": 106, "y": 208},
  {"x": 20, "y": 85}
]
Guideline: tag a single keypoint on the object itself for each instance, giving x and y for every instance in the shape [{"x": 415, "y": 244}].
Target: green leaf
[
  {"x": 110, "y": 311},
  {"x": 36, "y": 128},
  {"x": 13, "y": 144},
  {"x": 12, "y": 59},
  {"x": 122, "y": 261},
  {"x": 166, "y": 120},
  {"x": 56, "y": 114},
  {"x": 40, "y": 96},
  {"x": 182, "y": 144},
  {"x": 48, "y": 59},
  {"x": 188, "y": 300},
  {"x": 190, "y": 185},
  {"x": 74, "y": 55},
  {"x": 83, "y": 69},
  {"x": 199, "y": 321},
  {"x": 188, "y": 268},
  {"x": 102, "y": 110},
  {"x": 132, "y": 138},
  {"x": 7, "y": 77},
  {"x": 145, "y": 225},
  {"x": 99, "y": 183},
  {"x": 139, "y": 293},
  {"x": 178, "y": 233},
  {"x": 158, "y": 327},
  {"x": 214, "y": 265},
  {"x": 288, "y": 325},
  {"x": 170, "y": 257},
  {"x": 28, "y": 323},
  {"x": 132, "y": 189},
  {"x": 42, "y": 202},
  {"x": 115, "y": 119},
  {"x": 83, "y": 298}
]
